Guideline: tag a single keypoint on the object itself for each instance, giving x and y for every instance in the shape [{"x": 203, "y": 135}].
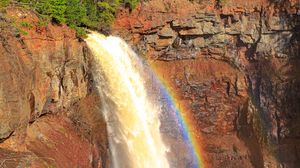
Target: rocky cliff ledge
[
  {"x": 48, "y": 110},
  {"x": 235, "y": 64}
]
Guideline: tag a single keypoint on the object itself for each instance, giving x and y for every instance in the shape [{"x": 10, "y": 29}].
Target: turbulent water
[{"x": 133, "y": 121}]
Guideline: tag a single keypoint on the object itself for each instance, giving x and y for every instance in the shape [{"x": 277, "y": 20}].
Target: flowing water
[{"x": 132, "y": 119}]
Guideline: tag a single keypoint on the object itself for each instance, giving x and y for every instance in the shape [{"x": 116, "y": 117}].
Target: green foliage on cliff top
[
  {"x": 4, "y": 3},
  {"x": 55, "y": 9},
  {"x": 78, "y": 14}
]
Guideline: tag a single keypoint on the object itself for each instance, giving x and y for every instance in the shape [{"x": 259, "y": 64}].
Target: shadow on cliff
[
  {"x": 288, "y": 148},
  {"x": 270, "y": 119}
]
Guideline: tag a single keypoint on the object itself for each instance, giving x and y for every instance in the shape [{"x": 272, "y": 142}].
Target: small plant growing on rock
[{"x": 26, "y": 25}]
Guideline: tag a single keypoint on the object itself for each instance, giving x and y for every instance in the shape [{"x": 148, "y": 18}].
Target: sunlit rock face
[
  {"x": 235, "y": 64},
  {"x": 45, "y": 72}
]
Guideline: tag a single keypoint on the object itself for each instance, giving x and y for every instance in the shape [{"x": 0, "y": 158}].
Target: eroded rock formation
[
  {"x": 235, "y": 64},
  {"x": 49, "y": 110}
]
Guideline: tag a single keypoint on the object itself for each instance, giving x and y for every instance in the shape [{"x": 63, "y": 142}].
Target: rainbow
[{"x": 186, "y": 123}]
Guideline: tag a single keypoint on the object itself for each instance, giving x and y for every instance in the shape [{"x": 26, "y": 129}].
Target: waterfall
[{"x": 132, "y": 119}]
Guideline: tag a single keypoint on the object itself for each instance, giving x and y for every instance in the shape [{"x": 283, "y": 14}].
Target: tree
[
  {"x": 54, "y": 8},
  {"x": 75, "y": 12},
  {"x": 107, "y": 11}
]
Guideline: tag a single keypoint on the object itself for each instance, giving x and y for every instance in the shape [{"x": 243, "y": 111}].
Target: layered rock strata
[{"x": 235, "y": 65}]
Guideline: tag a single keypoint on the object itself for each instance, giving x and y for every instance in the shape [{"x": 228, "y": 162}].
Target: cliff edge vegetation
[{"x": 78, "y": 14}]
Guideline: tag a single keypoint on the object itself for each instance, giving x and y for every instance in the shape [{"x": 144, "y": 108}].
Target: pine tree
[
  {"x": 54, "y": 8},
  {"x": 75, "y": 12}
]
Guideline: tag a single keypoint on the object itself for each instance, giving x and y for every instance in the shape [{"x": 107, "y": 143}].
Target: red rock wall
[
  {"x": 235, "y": 65},
  {"x": 49, "y": 112}
]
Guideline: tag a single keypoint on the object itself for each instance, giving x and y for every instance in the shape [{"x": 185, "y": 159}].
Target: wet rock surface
[{"x": 235, "y": 66}]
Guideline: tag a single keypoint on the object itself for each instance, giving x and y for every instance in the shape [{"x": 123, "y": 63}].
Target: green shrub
[
  {"x": 91, "y": 18},
  {"x": 133, "y": 3},
  {"x": 4, "y": 3},
  {"x": 43, "y": 22},
  {"x": 80, "y": 32},
  {"x": 55, "y": 9},
  {"x": 107, "y": 14},
  {"x": 75, "y": 12},
  {"x": 26, "y": 25}
]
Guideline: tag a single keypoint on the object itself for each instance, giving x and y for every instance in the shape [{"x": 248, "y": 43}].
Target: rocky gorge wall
[
  {"x": 49, "y": 110},
  {"x": 235, "y": 64}
]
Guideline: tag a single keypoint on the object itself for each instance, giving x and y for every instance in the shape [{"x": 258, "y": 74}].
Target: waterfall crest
[{"x": 132, "y": 121}]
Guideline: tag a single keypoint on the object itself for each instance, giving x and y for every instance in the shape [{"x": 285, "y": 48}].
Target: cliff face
[
  {"x": 46, "y": 95},
  {"x": 235, "y": 64}
]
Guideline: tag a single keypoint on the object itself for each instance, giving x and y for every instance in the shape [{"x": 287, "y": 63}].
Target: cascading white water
[{"x": 132, "y": 121}]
